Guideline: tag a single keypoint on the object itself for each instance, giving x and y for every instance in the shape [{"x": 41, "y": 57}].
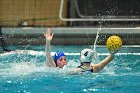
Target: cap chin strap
[{"x": 81, "y": 66}]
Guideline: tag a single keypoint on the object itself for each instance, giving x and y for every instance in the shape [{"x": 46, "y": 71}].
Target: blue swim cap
[{"x": 57, "y": 56}]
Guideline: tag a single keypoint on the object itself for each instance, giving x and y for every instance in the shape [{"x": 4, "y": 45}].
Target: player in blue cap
[{"x": 59, "y": 57}]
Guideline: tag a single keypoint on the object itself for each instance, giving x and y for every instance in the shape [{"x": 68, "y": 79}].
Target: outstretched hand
[
  {"x": 114, "y": 51},
  {"x": 48, "y": 34}
]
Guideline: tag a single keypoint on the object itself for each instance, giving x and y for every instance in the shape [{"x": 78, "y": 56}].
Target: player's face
[{"x": 61, "y": 61}]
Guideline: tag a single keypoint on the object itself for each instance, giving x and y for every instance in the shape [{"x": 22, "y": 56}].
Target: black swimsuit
[{"x": 83, "y": 70}]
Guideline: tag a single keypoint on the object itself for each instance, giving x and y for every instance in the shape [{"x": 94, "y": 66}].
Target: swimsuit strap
[{"x": 83, "y": 70}]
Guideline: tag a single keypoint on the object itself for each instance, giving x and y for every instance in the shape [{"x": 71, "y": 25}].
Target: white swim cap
[{"x": 86, "y": 55}]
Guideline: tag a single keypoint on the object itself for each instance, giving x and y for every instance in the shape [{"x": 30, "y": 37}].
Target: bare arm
[
  {"x": 98, "y": 67},
  {"x": 49, "y": 60}
]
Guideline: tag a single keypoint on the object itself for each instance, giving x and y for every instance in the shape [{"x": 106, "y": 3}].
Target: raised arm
[
  {"x": 49, "y": 36},
  {"x": 98, "y": 67}
]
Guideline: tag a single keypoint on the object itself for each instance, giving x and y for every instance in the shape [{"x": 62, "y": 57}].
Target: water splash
[
  {"x": 96, "y": 57},
  {"x": 18, "y": 65},
  {"x": 97, "y": 36},
  {"x": 15, "y": 63}
]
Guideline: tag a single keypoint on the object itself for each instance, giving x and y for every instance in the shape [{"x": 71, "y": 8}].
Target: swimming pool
[{"x": 24, "y": 71}]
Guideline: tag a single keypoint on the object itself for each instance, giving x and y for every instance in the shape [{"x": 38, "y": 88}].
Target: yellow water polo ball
[{"x": 114, "y": 43}]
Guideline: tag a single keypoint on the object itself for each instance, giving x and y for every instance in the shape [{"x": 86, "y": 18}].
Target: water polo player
[
  {"x": 59, "y": 57},
  {"x": 86, "y": 57}
]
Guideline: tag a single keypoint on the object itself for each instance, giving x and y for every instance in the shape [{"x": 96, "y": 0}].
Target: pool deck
[{"x": 68, "y": 36}]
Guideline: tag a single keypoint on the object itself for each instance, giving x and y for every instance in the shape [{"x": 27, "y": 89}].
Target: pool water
[{"x": 23, "y": 70}]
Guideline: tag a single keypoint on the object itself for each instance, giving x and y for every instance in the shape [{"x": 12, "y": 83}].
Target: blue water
[{"x": 23, "y": 70}]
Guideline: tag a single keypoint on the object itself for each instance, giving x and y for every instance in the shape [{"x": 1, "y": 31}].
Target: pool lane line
[{"x": 32, "y": 52}]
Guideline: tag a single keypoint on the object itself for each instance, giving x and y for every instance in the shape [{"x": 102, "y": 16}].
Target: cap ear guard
[{"x": 87, "y": 55}]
